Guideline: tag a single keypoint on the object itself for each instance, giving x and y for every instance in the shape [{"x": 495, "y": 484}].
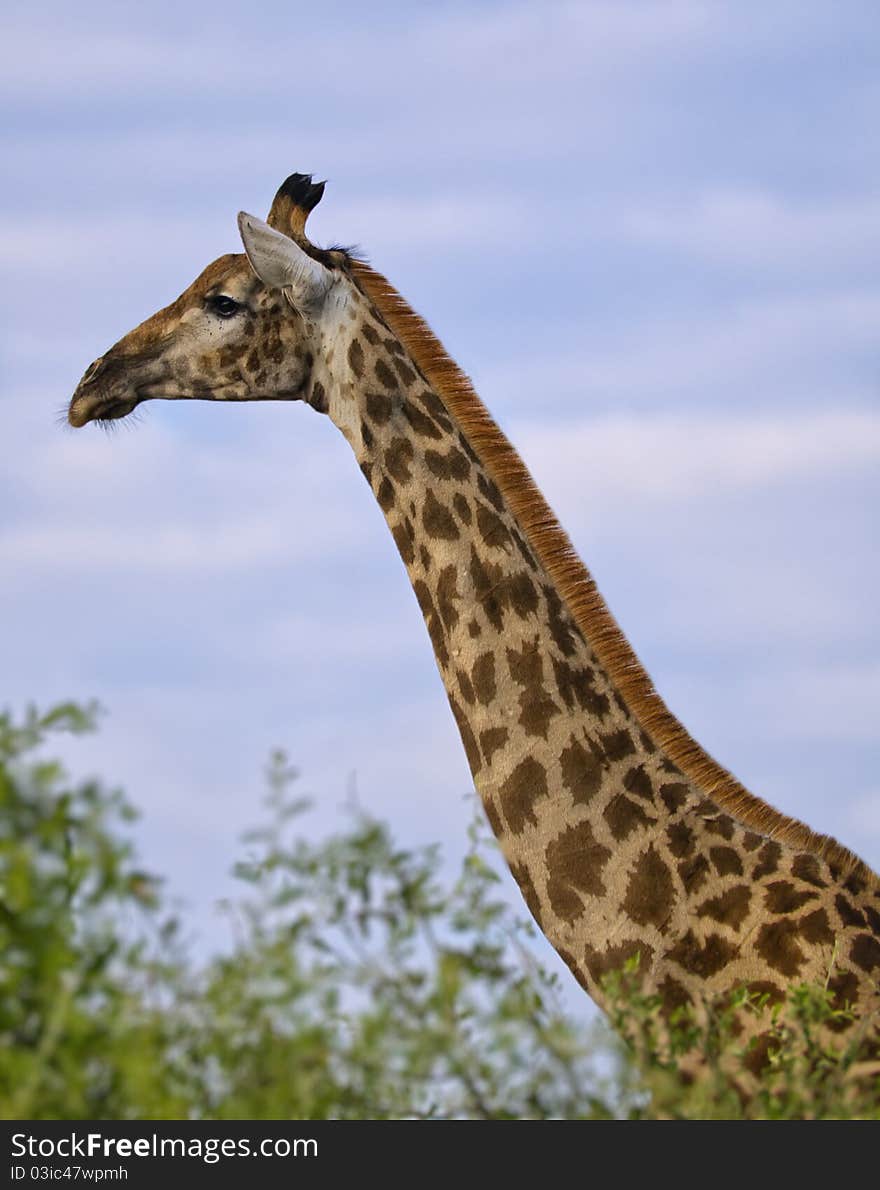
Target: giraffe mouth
[
  {"x": 85, "y": 409},
  {"x": 108, "y": 391}
]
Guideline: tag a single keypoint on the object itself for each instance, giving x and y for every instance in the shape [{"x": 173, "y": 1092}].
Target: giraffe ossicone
[{"x": 626, "y": 838}]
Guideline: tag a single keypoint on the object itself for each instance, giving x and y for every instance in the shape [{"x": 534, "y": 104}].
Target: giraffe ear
[{"x": 280, "y": 263}]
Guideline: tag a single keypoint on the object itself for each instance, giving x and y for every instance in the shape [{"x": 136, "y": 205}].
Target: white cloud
[
  {"x": 755, "y": 350},
  {"x": 524, "y": 45},
  {"x": 645, "y": 458},
  {"x": 178, "y": 548},
  {"x": 863, "y": 814},
  {"x": 154, "y": 500},
  {"x": 837, "y": 702},
  {"x": 295, "y": 636},
  {"x": 758, "y": 229},
  {"x": 443, "y": 221},
  {"x": 58, "y": 244}
]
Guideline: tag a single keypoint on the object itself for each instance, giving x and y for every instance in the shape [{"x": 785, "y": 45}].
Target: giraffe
[{"x": 625, "y": 837}]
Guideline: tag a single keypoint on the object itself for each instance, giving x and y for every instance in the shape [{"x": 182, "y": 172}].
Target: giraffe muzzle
[{"x": 102, "y": 395}]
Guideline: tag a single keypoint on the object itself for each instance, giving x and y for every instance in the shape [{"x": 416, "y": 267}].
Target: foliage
[
  {"x": 791, "y": 1061},
  {"x": 358, "y": 983}
]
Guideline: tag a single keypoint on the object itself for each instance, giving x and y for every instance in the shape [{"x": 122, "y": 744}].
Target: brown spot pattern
[
  {"x": 491, "y": 740},
  {"x": 674, "y": 995},
  {"x": 617, "y": 744},
  {"x": 464, "y": 685},
  {"x": 385, "y": 494},
  {"x": 384, "y": 375},
  {"x": 438, "y": 520},
  {"x": 680, "y": 838},
  {"x": 420, "y": 422},
  {"x": 623, "y": 816},
  {"x": 520, "y": 593},
  {"x": 703, "y": 959},
  {"x": 848, "y": 913},
  {"x": 537, "y": 708},
  {"x": 638, "y": 782},
  {"x": 649, "y": 895},
  {"x": 462, "y": 507},
  {"x": 525, "y": 785},
  {"x": 602, "y": 963},
  {"x": 865, "y": 952},
  {"x": 486, "y": 587},
  {"x": 452, "y": 465},
  {"x": 524, "y": 550},
  {"x": 435, "y": 409},
  {"x": 806, "y": 867},
  {"x": 782, "y": 897},
  {"x": 560, "y": 623},
  {"x": 490, "y": 490},
  {"x": 483, "y": 678},
  {"x": 492, "y": 528},
  {"x": 814, "y": 928},
  {"x": 378, "y": 408},
  {"x": 777, "y": 943},
  {"x": 447, "y": 597},
  {"x": 768, "y": 860},
  {"x": 674, "y": 795},
  {"x": 729, "y": 908},
  {"x": 356, "y": 358},
  {"x": 405, "y": 372},
  {"x": 725, "y": 861},
  {"x": 693, "y": 872},
  {"x": 575, "y": 861},
  {"x": 582, "y": 771},
  {"x": 720, "y": 824},
  {"x": 577, "y": 686},
  {"x": 398, "y": 457}
]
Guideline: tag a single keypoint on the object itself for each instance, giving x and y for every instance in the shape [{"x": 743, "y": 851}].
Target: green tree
[
  {"x": 74, "y": 912},
  {"x": 357, "y": 984}
]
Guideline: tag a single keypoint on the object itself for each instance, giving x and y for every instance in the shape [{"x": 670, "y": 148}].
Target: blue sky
[{"x": 651, "y": 234}]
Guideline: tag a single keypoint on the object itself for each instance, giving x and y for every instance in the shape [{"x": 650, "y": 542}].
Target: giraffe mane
[{"x": 577, "y": 587}]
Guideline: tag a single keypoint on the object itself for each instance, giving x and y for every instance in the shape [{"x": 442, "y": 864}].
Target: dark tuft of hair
[
  {"x": 302, "y": 191},
  {"x": 350, "y": 251}
]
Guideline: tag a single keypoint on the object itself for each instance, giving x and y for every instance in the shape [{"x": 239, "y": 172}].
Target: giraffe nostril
[{"x": 92, "y": 371}]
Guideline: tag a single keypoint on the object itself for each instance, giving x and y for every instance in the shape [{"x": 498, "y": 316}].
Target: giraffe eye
[{"x": 223, "y": 305}]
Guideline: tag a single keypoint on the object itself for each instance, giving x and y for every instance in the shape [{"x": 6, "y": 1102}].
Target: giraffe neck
[{"x": 617, "y": 852}]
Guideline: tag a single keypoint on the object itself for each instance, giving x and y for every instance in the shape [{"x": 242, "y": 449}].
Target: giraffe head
[{"x": 247, "y": 329}]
